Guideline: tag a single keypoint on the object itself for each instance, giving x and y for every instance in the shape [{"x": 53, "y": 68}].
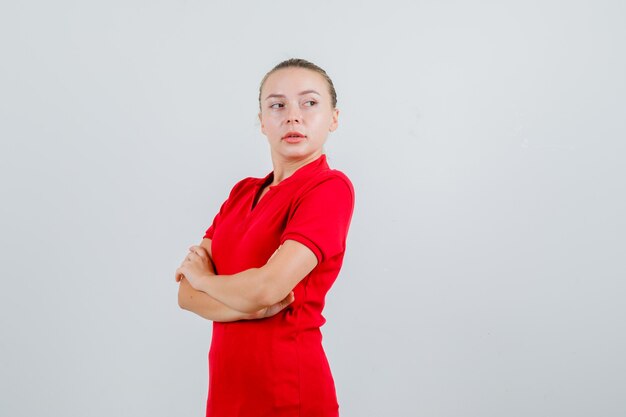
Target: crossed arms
[{"x": 251, "y": 294}]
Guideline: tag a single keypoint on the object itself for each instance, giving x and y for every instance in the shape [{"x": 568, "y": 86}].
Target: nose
[{"x": 294, "y": 116}]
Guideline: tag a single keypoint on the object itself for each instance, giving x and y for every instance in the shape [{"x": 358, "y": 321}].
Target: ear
[
  {"x": 334, "y": 121},
  {"x": 262, "y": 126}
]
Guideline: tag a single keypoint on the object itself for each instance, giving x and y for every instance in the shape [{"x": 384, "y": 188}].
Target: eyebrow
[{"x": 300, "y": 94}]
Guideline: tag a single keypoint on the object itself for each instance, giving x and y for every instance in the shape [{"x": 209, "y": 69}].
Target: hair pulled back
[{"x": 302, "y": 63}]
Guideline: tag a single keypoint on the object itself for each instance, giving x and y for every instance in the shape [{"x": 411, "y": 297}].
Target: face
[{"x": 296, "y": 114}]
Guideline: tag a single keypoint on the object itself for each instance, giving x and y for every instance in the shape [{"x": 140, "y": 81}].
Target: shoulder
[
  {"x": 329, "y": 186},
  {"x": 339, "y": 176},
  {"x": 239, "y": 192},
  {"x": 330, "y": 179},
  {"x": 243, "y": 186}
]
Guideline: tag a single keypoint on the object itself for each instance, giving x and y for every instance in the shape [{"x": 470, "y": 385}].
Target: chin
[{"x": 295, "y": 153}]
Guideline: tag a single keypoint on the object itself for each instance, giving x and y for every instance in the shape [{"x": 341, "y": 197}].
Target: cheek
[
  {"x": 271, "y": 118},
  {"x": 269, "y": 125},
  {"x": 322, "y": 121},
  {"x": 265, "y": 120}
]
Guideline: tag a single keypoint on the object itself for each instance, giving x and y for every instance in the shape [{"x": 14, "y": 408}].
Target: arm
[
  {"x": 200, "y": 303},
  {"x": 256, "y": 288},
  {"x": 321, "y": 222},
  {"x": 206, "y": 307}
]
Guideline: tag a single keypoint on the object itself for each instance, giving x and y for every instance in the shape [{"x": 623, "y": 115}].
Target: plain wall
[{"x": 486, "y": 259}]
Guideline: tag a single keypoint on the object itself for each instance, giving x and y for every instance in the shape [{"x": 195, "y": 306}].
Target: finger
[
  {"x": 290, "y": 298},
  {"x": 287, "y": 300},
  {"x": 203, "y": 252},
  {"x": 200, "y": 251}
]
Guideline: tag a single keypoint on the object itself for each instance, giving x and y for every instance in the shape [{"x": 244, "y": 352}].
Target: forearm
[
  {"x": 205, "y": 306},
  {"x": 256, "y": 288},
  {"x": 246, "y": 291}
]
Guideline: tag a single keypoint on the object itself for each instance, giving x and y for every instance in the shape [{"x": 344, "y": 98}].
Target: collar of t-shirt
[{"x": 303, "y": 172}]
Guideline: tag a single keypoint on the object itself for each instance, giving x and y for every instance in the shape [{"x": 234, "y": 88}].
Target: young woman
[{"x": 264, "y": 266}]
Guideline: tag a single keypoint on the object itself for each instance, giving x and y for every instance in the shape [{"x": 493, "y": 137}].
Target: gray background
[{"x": 485, "y": 269}]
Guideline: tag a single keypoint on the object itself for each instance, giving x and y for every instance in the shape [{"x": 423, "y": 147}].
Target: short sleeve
[
  {"x": 321, "y": 217},
  {"x": 208, "y": 234}
]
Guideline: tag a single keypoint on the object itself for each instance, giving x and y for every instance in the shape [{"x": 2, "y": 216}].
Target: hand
[
  {"x": 273, "y": 309},
  {"x": 195, "y": 267}
]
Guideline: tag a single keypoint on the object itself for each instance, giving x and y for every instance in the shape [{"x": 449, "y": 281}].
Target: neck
[{"x": 284, "y": 168}]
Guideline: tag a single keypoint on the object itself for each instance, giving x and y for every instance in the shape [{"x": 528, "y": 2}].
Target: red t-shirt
[{"x": 276, "y": 367}]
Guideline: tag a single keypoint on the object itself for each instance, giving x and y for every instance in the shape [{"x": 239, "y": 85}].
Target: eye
[
  {"x": 310, "y": 103},
  {"x": 276, "y": 105}
]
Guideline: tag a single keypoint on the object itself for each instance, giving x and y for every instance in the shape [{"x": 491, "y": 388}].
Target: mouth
[{"x": 293, "y": 135}]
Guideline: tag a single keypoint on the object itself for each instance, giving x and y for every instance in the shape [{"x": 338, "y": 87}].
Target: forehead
[{"x": 294, "y": 80}]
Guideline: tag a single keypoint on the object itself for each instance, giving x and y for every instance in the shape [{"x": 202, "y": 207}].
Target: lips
[{"x": 293, "y": 135}]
